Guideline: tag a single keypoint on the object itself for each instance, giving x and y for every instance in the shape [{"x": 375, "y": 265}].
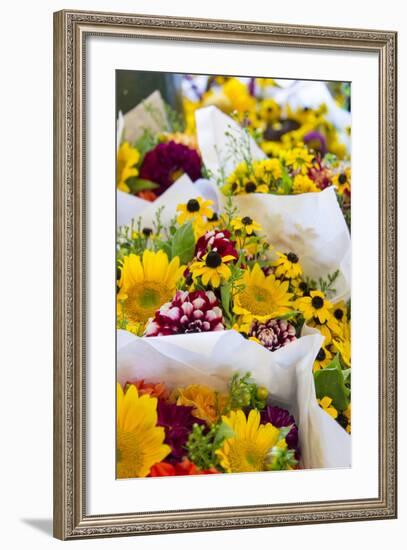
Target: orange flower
[
  {"x": 158, "y": 390},
  {"x": 207, "y": 404},
  {"x": 184, "y": 468}
]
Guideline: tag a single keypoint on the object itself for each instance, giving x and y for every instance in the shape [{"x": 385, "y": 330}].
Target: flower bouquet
[{"x": 236, "y": 277}]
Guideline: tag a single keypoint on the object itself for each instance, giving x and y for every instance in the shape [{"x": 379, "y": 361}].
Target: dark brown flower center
[
  {"x": 250, "y": 187},
  {"x": 247, "y": 221},
  {"x": 342, "y": 179},
  {"x": 317, "y": 302},
  {"x": 213, "y": 259},
  {"x": 147, "y": 231},
  {"x": 302, "y": 286},
  {"x": 291, "y": 257},
  {"x": 214, "y": 218},
  {"x": 193, "y": 205},
  {"x": 321, "y": 355},
  {"x": 338, "y": 313}
]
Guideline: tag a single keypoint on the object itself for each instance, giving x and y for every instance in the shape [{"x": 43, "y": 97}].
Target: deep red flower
[
  {"x": 177, "y": 421},
  {"x": 320, "y": 174},
  {"x": 167, "y": 161},
  {"x": 219, "y": 241},
  {"x": 281, "y": 418}
]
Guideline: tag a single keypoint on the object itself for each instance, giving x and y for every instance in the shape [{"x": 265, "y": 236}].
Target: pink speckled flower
[{"x": 197, "y": 311}]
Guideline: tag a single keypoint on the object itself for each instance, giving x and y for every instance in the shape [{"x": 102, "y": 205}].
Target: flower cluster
[{"x": 195, "y": 430}]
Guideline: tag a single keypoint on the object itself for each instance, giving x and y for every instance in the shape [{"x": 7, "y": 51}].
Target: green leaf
[
  {"x": 223, "y": 432},
  {"x": 138, "y": 184},
  {"x": 346, "y": 373},
  {"x": 329, "y": 382},
  {"x": 183, "y": 243},
  {"x": 145, "y": 143},
  {"x": 225, "y": 298},
  {"x": 286, "y": 183}
]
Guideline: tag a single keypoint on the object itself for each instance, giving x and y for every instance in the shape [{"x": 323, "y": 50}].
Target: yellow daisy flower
[
  {"x": 299, "y": 158},
  {"x": 207, "y": 404},
  {"x": 212, "y": 268},
  {"x": 287, "y": 265},
  {"x": 342, "y": 181},
  {"x": 238, "y": 95},
  {"x": 247, "y": 449},
  {"x": 315, "y": 305},
  {"x": 139, "y": 442},
  {"x": 328, "y": 328},
  {"x": 304, "y": 184},
  {"x": 326, "y": 404},
  {"x": 195, "y": 210},
  {"x": 247, "y": 224},
  {"x": 342, "y": 344},
  {"x": 146, "y": 283},
  {"x": 269, "y": 110},
  {"x": 127, "y": 157},
  {"x": 263, "y": 297}
]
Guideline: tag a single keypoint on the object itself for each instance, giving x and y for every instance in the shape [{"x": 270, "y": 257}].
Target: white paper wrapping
[{"x": 212, "y": 358}]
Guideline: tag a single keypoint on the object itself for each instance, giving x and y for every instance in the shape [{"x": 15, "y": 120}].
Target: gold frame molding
[{"x": 70, "y": 31}]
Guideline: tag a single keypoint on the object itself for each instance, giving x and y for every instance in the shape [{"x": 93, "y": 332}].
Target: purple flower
[
  {"x": 177, "y": 421},
  {"x": 316, "y": 141},
  {"x": 280, "y": 418},
  {"x": 167, "y": 161}
]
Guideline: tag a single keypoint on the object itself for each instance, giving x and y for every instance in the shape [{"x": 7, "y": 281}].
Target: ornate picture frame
[{"x": 71, "y": 29}]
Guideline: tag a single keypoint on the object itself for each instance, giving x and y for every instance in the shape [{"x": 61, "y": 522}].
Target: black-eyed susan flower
[
  {"x": 195, "y": 210},
  {"x": 247, "y": 450},
  {"x": 326, "y": 404},
  {"x": 212, "y": 268},
  {"x": 139, "y": 442},
  {"x": 145, "y": 284},
  {"x": 298, "y": 158},
  {"x": 262, "y": 297},
  {"x": 342, "y": 181},
  {"x": 328, "y": 329},
  {"x": 315, "y": 305},
  {"x": 322, "y": 360},
  {"x": 287, "y": 265},
  {"x": 246, "y": 224},
  {"x": 127, "y": 158}
]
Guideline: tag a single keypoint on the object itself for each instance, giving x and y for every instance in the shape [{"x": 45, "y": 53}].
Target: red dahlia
[
  {"x": 273, "y": 334},
  {"x": 167, "y": 162},
  {"x": 197, "y": 311},
  {"x": 218, "y": 241}
]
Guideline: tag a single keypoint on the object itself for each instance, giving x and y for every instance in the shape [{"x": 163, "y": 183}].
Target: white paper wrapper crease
[{"x": 212, "y": 359}]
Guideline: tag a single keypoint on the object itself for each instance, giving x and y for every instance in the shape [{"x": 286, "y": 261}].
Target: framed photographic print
[{"x": 225, "y": 274}]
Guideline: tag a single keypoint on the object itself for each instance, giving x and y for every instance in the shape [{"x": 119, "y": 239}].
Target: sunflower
[
  {"x": 127, "y": 157},
  {"x": 342, "y": 181},
  {"x": 322, "y": 360},
  {"x": 247, "y": 224},
  {"x": 139, "y": 441},
  {"x": 195, "y": 210},
  {"x": 212, "y": 268},
  {"x": 286, "y": 265},
  {"x": 326, "y": 404},
  {"x": 207, "y": 404},
  {"x": 263, "y": 297},
  {"x": 146, "y": 284},
  {"x": 315, "y": 305},
  {"x": 247, "y": 449}
]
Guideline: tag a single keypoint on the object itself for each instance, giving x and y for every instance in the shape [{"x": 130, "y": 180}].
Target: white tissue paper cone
[
  {"x": 128, "y": 207},
  {"x": 211, "y": 126},
  {"x": 212, "y": 358},
  {"x": 311, "y": 225}
]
